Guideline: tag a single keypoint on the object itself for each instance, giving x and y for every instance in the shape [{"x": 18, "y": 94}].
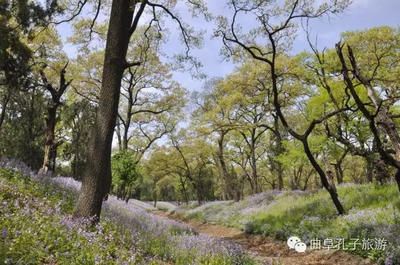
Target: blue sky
[{"x": 362, "y": 14}]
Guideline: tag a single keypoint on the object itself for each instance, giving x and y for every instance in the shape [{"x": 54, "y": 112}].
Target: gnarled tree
[{"x": 277, "y": 30}]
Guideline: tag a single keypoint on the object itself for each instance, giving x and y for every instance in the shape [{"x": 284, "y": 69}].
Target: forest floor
[
  {"x": 263, "y": 222},
  {"x": 159, "y": 228},
  {"x": 268, "y": 250},
  {"x": 126, "y": 234}
]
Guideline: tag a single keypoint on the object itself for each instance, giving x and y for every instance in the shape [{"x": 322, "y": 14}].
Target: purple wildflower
[
  {"x": 389, "y": 260},
  {"x": 4, "y": 233}
]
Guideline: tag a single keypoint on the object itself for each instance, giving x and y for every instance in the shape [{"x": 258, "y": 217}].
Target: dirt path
[{"x": 270, "y": 251}]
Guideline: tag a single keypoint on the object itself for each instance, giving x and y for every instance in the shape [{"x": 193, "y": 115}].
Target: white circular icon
[
  {"x": 300, "y": 247},
  {"x": 292, "y": 241}
]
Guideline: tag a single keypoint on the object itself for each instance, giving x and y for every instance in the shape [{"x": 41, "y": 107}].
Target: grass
[
  {"x": 372, "y": 212},
  {"x": 37, "y": 228}
]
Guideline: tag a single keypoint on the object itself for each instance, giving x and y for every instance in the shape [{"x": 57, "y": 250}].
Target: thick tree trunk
[
  {"x": 50, "y": 145},
  {"x": 97, "y": 178},
  {"x": 50, "y": 149}
]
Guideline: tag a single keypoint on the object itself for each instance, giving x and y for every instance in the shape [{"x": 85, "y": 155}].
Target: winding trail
[
  {"x": 266, "y": 250},
  {"x": 269, "y": 251}
]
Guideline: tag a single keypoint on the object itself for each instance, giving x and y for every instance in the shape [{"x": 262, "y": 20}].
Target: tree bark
[
  {"x": 184, "y": 190},
  {"x": 339, "y": 172},
  {"x": 4, "y": 107},
  {"x": 155, "y": 194},
  {"x": 253, "y": 163},
  {"x": 50, "y": 145},
  {"x": 277, "y": 165},
  {"x": 230, "y": 190},
  {"x": 324, "y": 180},
  {"x": 50, "y": 148},
  {"x": 96, "y": 181}
]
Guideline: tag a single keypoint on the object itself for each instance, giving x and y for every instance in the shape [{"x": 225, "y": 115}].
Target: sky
[{"x": 361, "y": 15}]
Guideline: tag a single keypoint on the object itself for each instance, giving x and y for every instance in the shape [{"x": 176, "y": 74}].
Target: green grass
[
  {"x": 371, "y": 211},
  {"x": 313, "y": 215},
  {"x": 36, "y": 228},
  {"x": 33, "y": 230}
]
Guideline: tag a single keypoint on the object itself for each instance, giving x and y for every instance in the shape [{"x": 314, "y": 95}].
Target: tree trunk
[
  {"x": 125, "y": 138},
  {"x": 397, "y": 177},
  {"x": 118, "y": 132},
  {"x": 97, "y": 178},
  {"x": 183, "y": 190},
  {"x": 278, "y": 151},
  {"x": 4, "y": 108},
  {"x": 339, "y": 173},
  {"x": 50, "y": 145},
  {"x": 253, "y": 164},
  {"x": 370, "y": 168},
  {"x": 279, "y": 171},
  {"x": 30, "y": 127},
  {"x": 324, "y": 180},
  {"x": 228, "y": 181},
  {"x": 155, "y": 197}
]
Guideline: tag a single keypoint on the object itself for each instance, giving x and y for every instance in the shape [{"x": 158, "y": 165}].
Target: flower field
[{"x": 38, "y": 228}]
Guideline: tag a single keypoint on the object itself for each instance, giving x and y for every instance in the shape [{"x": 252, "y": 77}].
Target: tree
[
  {"x": 159, "y": 166},
  {"x": 50, "y": 148},
  {"x": 124, "y": 19},
  {"x": 23, "y": 130},
  {"x": 380, "y": 116},
  {"x": 277, "y": 31},
  {"x": 295, "y": 161},
  {"x": 214, "y": 116},
  {"x": 150, "y": 106},
  {"x": 49, "y": 73},
  {"x": 374, "y": 69},
  {"x": 126, "y": 176},
  {"x": 195, "y": 164},
  {"x": 77, "y": 118},
  {"x": 17, "y": 18}
]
